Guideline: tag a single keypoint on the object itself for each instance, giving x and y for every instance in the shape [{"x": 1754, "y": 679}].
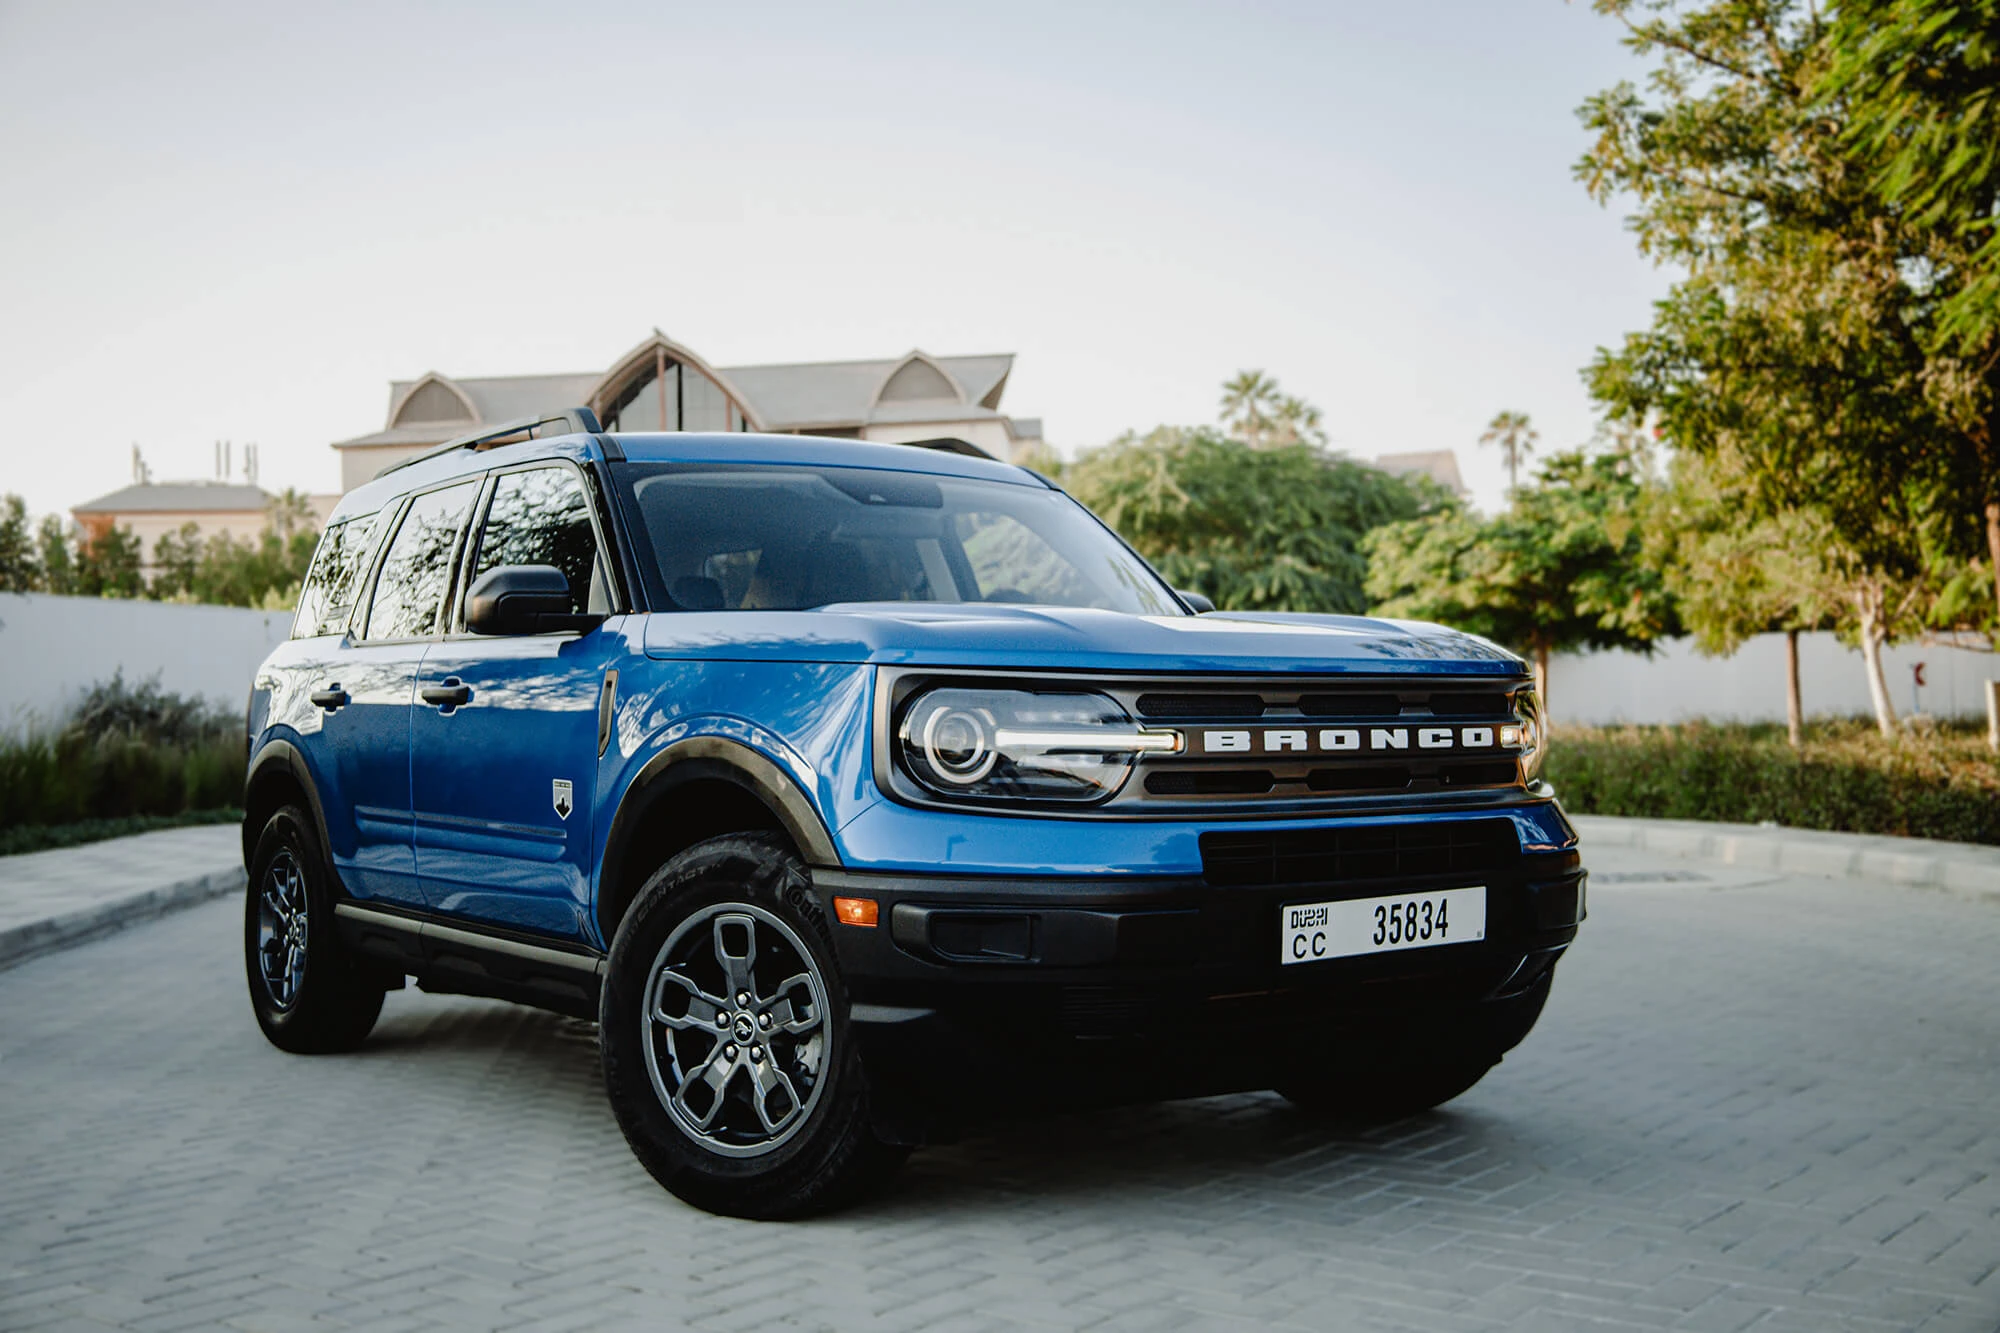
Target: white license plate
[{"x": 1309, "y": 932}]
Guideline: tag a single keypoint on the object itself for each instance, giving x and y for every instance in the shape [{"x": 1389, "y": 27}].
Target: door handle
[
  {"x": 332, "y": 698},
  {"x": 454, "y": 693}
]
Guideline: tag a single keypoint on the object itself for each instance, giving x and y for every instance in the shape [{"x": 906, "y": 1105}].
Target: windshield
[{"x": 790, "y": 538}]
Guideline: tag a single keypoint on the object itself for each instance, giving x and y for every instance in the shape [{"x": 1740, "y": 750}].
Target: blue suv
[{"x": 862, "y": 792}]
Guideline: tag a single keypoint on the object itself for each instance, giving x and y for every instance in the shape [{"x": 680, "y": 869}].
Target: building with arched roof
[{"x": 661, "y": 385}]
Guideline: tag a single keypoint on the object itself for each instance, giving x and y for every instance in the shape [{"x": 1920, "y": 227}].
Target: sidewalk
[
  {"x": 50, "y": 900},
  {"x": 1955, "y": 867}
]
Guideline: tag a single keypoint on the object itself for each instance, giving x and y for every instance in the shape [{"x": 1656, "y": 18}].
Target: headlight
[
  {"x": 1020, "y": 745},
  {"x": 1529, "y": 734}
]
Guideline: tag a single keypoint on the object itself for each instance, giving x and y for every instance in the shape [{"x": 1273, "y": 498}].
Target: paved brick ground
[{"x": 1768, "y": 1104}]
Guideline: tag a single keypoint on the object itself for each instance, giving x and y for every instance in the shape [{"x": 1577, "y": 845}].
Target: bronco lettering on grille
[{"x": 1337, "y": 740}]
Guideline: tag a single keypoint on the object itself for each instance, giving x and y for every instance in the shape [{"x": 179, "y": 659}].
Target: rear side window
[
  {"x": 335, "y": 577},
  {"x": 409, "y": 592},
  {"x": 542, "y": 517}
]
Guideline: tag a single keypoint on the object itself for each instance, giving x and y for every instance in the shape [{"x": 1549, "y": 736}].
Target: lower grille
[{"x": 1359, "y": 852}]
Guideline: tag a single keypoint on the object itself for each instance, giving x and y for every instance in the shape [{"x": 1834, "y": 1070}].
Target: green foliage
[
  {"x": 1845, "y": 778},
  {"x": 107, "y": 565},
  {"x": 1260, "y": 414},
  {"x": 266, "y": 572},
  {"x": 55, "y": 565},
  {"x": 1734, "y": 576},
  {"x": 18, "y": 567},
  {"x": 1515, "y": 437},
  {"x": 1919, "y": 84},
  {"x": 125, "y": 751},
  {"x": 1272, "y": 528},
  {"x": 1563, "y": 568}
]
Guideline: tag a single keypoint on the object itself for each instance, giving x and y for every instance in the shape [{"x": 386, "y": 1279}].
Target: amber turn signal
[{"x": 855, "y": 911}]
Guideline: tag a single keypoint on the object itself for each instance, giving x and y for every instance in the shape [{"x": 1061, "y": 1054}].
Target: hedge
[{"x": 1944, "y": 784}]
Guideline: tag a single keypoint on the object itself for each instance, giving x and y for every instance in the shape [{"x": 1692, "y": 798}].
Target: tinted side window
[
  {"x": 335, "y": 577},
  {"x": 410, "y": 590},
  {"x": 542, "y": 517}
]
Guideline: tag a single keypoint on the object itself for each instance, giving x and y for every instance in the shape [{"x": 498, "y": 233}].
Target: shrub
[
  {"x": 126, "y": 750},
  {"x": 1847, "y": 778}
]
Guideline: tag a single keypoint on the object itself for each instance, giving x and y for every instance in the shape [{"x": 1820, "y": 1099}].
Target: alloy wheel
[
  {"x": 735, "y": 1033},
  {"x": 282, "y": 922}
]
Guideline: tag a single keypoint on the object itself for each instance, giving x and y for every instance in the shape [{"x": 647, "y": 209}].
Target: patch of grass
[
  {"x": 1943, "y": 784},
  {"x": 42, "y": 837}
]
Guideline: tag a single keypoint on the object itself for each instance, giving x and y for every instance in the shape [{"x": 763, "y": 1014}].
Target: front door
[{"x": 505, "y": 736}]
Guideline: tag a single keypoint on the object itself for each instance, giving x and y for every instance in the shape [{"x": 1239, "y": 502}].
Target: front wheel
[{"x": 723, "y": 1031}]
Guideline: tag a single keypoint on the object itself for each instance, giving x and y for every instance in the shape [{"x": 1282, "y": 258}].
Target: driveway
[{"x": 1754, "y": 1102}]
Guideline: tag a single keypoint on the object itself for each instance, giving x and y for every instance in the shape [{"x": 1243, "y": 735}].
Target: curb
[
  {"x": 20, "y": 943},
  {"x": 1964, "y": 869}
]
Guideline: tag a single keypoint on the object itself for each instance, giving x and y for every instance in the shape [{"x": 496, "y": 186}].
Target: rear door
[
  {"x": 375, "y": 682},
  {"x": 505, "y": 737}
]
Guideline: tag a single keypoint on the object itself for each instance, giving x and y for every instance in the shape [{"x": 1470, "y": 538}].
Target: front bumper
[{"x": 985, "y": 991}]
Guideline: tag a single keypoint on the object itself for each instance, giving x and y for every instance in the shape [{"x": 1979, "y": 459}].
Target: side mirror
[
  {"x": 1196, "y": 603},
  {"x": 522, "y": 599}
]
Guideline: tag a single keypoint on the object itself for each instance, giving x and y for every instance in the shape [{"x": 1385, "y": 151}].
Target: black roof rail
[
  {"x": 570, "y": 421},
  {"x": 951, "y": 445}
]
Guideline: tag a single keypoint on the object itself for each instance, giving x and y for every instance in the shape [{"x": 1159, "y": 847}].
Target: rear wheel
[
  {"x": 309, "y": 995},
  {"x": 723, "y": 1030}
]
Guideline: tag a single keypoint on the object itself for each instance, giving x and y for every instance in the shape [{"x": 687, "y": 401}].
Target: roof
[
  {"x": 809, "y": 395},
  {"x": 179, "y": 497},
  {"x": 1440, "y": 465}
]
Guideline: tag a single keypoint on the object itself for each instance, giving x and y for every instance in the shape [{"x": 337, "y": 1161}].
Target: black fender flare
[
  {"x": 716, "y": 757},
  {"x": 281, "y": 757}
]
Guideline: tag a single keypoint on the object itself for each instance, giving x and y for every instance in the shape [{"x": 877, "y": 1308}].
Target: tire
[
  {"x": 309, "y": 994},
  {"x": 1390, "y": 1083},
  {"x": 752, "y": 1107}
]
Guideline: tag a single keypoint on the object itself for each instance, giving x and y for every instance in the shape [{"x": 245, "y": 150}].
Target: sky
[{"x": 242, "y": 221}]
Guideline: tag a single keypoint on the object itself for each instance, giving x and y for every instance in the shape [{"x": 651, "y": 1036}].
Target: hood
[{"x": 1075, "y": 639}]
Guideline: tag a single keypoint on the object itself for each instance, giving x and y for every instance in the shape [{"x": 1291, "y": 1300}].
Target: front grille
[
  {"x": 1224, "y": 782},
  {"x": 1192, "y": 706},
  {"x": 1359, "y": 852}
]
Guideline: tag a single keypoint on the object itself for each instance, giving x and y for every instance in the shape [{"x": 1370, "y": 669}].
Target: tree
[
  {"x": 1257, "y": 412},
  {"x": 1277, "y": 528},
  {"x": 1563, "y": 568},
  {"x": 1733, "y": 579},
  {"x": 1516, "y": 438},
  {"x": 52, "y": 555},
  {"x": 1918, "y": 86},
  {"x": 18, "y": 571},
  {"x": 176, "y": 558},
  {"x": 1793, "y": 343},
  {"x": 107, "y": 564}
]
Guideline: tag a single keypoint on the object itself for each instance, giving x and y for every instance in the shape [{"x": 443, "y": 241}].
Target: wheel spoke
[
  {"x": 784, "y": 1009},
  {"x": 767, "y": 1078},
  {"x": 274, "y": 901},
  {"x": 737, "y": 967},
  {"x": 714, "y": 1073},
  {"x": 702, "y": 1008}
]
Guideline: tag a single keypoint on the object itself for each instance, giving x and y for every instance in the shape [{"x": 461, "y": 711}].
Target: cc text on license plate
[{"x": 1310, "y": 932}]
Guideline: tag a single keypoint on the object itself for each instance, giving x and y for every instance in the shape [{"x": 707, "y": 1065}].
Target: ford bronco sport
[{"x": 860, "y": 792}]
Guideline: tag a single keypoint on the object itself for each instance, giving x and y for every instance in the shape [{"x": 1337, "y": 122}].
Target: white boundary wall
[
  {"x": 1677, "y": 684},
  {"x": 53, "y": 649}
]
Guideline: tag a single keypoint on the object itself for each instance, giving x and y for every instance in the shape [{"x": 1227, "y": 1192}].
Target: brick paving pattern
[{"x": 1754, "y": 1103}]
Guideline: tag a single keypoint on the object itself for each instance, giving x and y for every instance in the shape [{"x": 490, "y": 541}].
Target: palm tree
[
  {"x": 1516, "y": 438},
  {"x": 1250, "y": 405}
]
